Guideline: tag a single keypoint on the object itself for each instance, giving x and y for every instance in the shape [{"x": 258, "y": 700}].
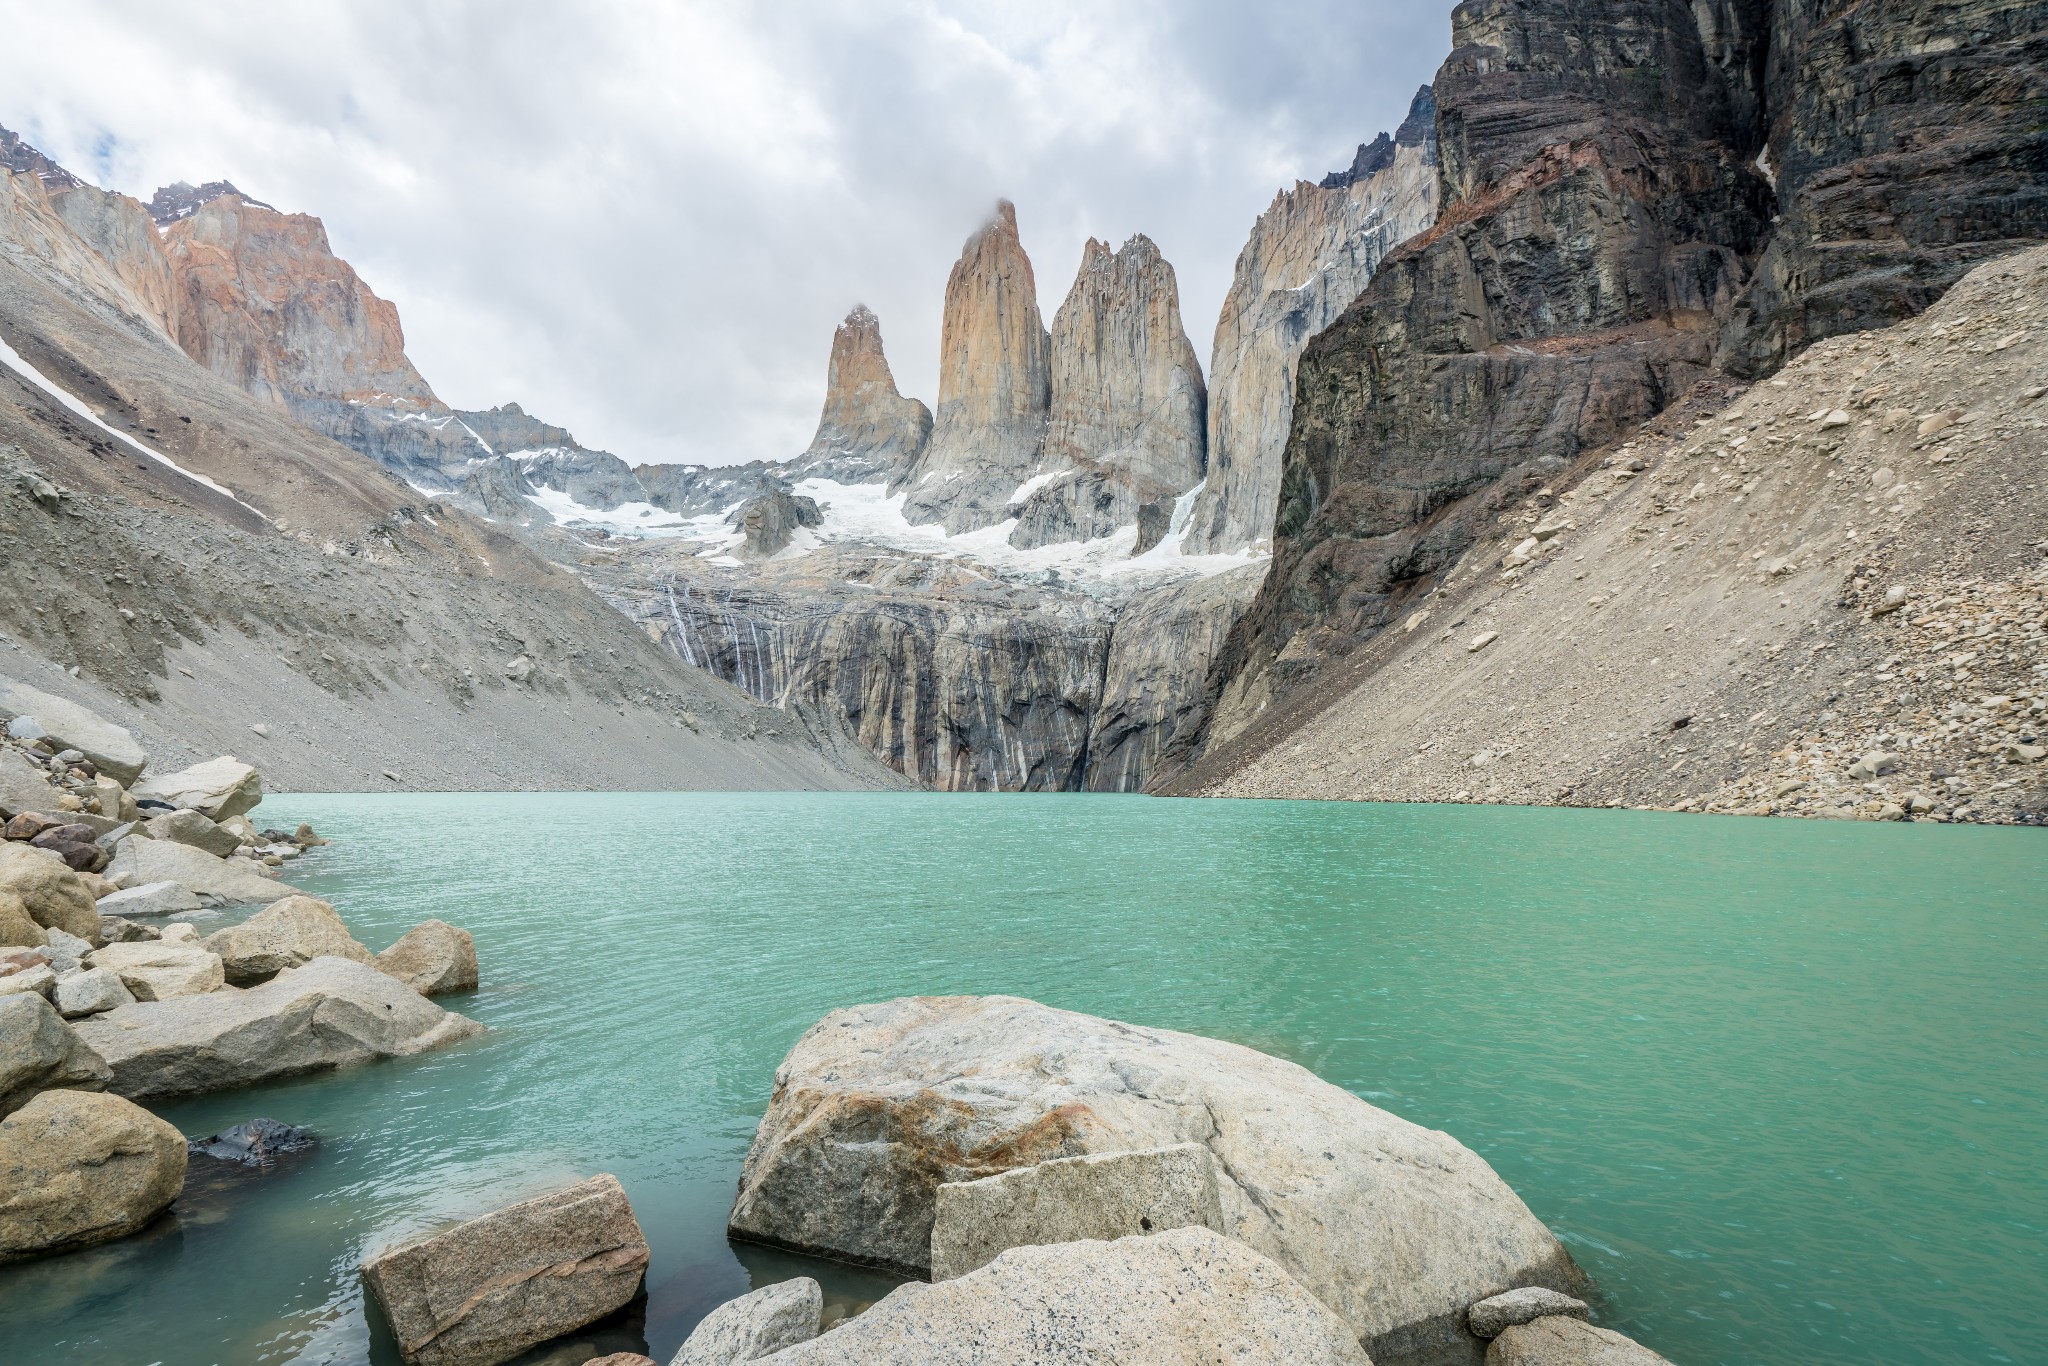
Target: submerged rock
[
  {"x": 78, "y": 1168},
  {"x": 754, "y": 1326},
  {"x": 39, "y": 1052},
  {"x": 1395, "y": 1227},
  {"x": 1177, "y": 1299},
  {"x": 254, "y": 1143},
  {"x": 330, "y": 1013},
  {"x": 485, "y": 1291}
]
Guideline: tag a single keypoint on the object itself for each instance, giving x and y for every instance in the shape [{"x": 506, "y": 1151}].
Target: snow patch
[{"x": 627, "y": 519}]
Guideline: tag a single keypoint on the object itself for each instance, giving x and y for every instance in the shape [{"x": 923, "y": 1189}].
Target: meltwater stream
[{"x": 1781, "y": 1086}]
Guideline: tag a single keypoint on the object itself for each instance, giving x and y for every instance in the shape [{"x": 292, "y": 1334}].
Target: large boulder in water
[
  {"x": 487, "y": 1290},
  {"x": 78, "y": 1168},
  {"x": 330, "y": 1013},
  {"x": 217, "y": 789},
  {"x": 289, "y": 934},
  {"x": 1395, "y": 1227},
  {"x": 434, "y": 958},
  {"x": 1190, "y": 1297},
  {"x": 56, "y": 897},
  {"x": 38, "y": 1052}
]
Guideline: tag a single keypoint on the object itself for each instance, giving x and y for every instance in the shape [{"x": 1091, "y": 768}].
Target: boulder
[
  {"x": 18, "y": 928},
  {"x": 76, "y": 844},
  {"x": 111, "y": 749},
  {"x": 190, "y": 827},
  {"x": 1395, "y": 1227},
  {"x": 289, "y": 934},
  {"x": 39, "y": 1052},
  {"x": 139, "y": 862},
  {"x": 24, "y": 787},
  {"x": 55, "y": 896},
  {"x": 217, "y": 789},
  {"x": 434, "y": 958},
  {"x": 1175, "y": 1299},
  {"x": 67, "y": 952},
  {"x": 78, "y": 1168},
  {"x": 1099, "y": 1197},
  {"x": 90, "y": 992},
  {"x": 1487, "y": 1318},
  {"x": 1556, "y": 1340},
  {"x": 40, "y": 979},
  {"x": 151, "y": 898},
  {"x": 254, "y": 1143},
  {"x": 330, "y": 1013},
  {"x": 485, "y": 1291},
  {"x": 752, "y": 1326},
  {"x": 161, "y": 971},
  {"x": 621, "y": 1359},
  {"x": 115, "y": 930}
]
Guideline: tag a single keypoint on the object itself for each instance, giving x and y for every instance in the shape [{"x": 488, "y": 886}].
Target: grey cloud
[{"x": 642, "y": 221}]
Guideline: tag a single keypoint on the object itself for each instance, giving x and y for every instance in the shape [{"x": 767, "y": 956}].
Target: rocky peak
[
  {"x": 867, "y": 426},
  {"x": 995, "y": 384},
  {"x": 22, "y": 159},
  {"x": 174, "y": 202},
  {"x": 1417, "y": 130},
  {"x": 1127, "y": 401}
]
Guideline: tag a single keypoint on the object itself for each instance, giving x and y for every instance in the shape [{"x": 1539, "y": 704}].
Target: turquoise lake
[{"x": 1781, "y": 1086}]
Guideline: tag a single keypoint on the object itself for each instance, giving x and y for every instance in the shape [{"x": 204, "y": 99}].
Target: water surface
[{"x": 1781, "y": 1086}]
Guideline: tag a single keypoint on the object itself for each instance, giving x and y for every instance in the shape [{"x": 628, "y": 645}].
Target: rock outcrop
[
  {"x": 1309, "y": 255},
  {"x": 995, "y": 386},
  {"x": 486, "y": 1290},
  {"x": 1606, "y": 239},
  {"x": 331, "y": 1013},
  {"x": 1187, "y": 1298},
  {"x": 39, "y": 1052},
  {"x": 78, "y": 1168},
  {"x": 757, "y": 1325},
  {"x": 1125, "y": 436},
  {"x": 867, "y": 429},
  {"x": 1396, "y": 1228}
]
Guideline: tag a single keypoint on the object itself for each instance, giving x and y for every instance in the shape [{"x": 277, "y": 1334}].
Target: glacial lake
[{"x": 1781, "y": 1086}]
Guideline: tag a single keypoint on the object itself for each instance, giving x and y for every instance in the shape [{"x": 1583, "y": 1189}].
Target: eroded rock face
[
  {"x": 867, "y": 429},
  {"x": 995, "y": 386},
  {"x": 1128, "y": 402},
  {"x": 78, "y": 1168},
  {"x": 1396, "y": 1228},
  {"x": 772, "y": 520},
  {"x": 485, "y": 1291},
  {"x": 330, "y": 1013},
  {"x": 1309, "y": 255},
  {"x": 1186, "y": 1298}
]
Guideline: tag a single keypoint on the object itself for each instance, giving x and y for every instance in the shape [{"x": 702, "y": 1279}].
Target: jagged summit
[
  {"x": 865, "y": 417},
  {"x": 1417, "y": 130},
  {"x": 181, "y": 200},
  {"x": 20, "y": 158}
]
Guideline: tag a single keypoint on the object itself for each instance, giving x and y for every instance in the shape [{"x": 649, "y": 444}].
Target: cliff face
[
  {"x": 1125, "y": 435},
  {"x": 120, "y": 229},
  {"x": 867, "y": 428},
  {"x": 995, "y": 386},
  {"x": 1606, "y": 233},
  {"x": 1310, "y": 254}
]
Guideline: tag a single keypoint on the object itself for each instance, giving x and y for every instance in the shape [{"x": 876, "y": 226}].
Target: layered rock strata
[
  {"x": 1607, "y": 210},
  {"x": 1309, "y": 255},
  {"x": 1125, "y": 437},
  {"x": 995, "y": 386}
]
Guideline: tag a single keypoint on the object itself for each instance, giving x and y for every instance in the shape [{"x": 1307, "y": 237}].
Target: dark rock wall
[{"x": 1610, "y": 235}]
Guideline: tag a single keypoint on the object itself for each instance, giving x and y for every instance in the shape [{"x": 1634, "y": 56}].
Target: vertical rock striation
[
  {"x": 867, "y": 428},
  {"x": 1125, "y": 434},
  {"x": 1310, "y": 254},
  {"x": 995, "y": 386}
]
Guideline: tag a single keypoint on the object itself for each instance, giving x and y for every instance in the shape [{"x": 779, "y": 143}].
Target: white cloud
[{"x": 642, "y": 220}]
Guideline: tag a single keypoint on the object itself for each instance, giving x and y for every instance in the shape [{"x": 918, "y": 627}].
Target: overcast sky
[{"x": 642, "y": 221}]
